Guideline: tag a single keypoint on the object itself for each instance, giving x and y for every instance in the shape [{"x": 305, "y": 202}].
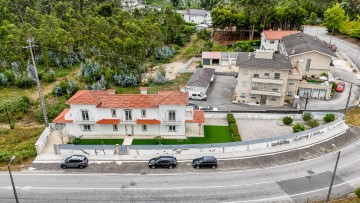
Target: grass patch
[
  {"x": 353, "y": 116},
  {"x": 213, "y": 134},
  {"x": 101, "y": 141},
  {"x": 19, "y": 142},
  {"x": 314, "y": 81}
]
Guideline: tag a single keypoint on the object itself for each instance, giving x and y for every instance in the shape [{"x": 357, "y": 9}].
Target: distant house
[
  {"x": 219, "y": 58},
  {"x": 104, "y": 114},
  {"x": 200, "y": 80},
  {"x": 198, "y": 16},
  {"x": 270, "y": 39},
  {"x": 131, "y": 3},
  {"x": 308, "y": 53}
]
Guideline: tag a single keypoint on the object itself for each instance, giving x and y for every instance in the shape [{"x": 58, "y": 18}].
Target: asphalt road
[
  {"x": 293, "y": 182},
  {"x": 351, "y": 50}
]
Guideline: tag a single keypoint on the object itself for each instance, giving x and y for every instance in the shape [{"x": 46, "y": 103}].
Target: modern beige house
[
  {"x": 313, "y": 58},
  {"x": 267, "y": 78}
]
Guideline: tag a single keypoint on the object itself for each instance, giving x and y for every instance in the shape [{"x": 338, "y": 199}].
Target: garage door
[
  {"x": 206, "y": 61},
  {"x": 303, "y": 92}
]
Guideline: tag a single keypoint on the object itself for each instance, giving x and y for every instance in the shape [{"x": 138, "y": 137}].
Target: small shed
[
  {"x": 211, "y": 58},
  {"x": 200, "y": 80}
]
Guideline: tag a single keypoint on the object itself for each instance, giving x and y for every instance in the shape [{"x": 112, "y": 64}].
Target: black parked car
[
  {"x": 193, "y": 104},
  {"x": 163, "y": 161},
  {"x": 74, "y": 161},
  {"x": 205, "y": 161}
]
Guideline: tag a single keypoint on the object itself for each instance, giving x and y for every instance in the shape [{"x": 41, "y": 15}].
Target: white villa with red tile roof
[
  {"x": 270, "y": 39},
  {"x": 104, "y": 114}
]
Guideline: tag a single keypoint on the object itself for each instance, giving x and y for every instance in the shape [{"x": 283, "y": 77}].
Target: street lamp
[
  {"x": 307, "y": 99},
  {"x": 12, "y": 181},
  {"x": 333, "y": 176}
]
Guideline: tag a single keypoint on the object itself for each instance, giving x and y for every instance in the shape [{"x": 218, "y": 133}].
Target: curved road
[{"x": 295, "y": 182}]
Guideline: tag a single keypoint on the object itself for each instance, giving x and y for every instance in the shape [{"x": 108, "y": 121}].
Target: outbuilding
[{"x": 200, "y": 80}]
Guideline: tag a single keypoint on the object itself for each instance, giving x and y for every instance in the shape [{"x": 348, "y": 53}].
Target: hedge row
[{"x": 233, "y": 128}]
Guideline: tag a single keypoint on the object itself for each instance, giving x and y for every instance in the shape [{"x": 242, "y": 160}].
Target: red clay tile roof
[
  {"x": 211, "y": 55},
  {"x": 199, "y": 117},
  {"x": 147, "y": 121},
  {"x": 104, "y": 100},
  {"x": 276, "y": 35},
  {"x": 61, "y": 117},
  {"x": 108, "y": 121}
]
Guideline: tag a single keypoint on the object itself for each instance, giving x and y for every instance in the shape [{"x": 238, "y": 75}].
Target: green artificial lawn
[
  {"x": 101, "y": 141},
  {"x": 213, "y": 134}
]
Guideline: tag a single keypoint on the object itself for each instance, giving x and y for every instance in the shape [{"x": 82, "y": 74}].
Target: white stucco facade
[{"x": 167, "y": 118}]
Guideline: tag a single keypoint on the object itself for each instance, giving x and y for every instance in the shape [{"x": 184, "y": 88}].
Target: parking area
[
  {"x": 220, "y": 93},
  {"x": 337, "y": 101}
]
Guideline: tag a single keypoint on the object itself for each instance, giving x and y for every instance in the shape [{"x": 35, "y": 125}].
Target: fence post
[
  {"x": 56, "y": 148},
  {"x": 117, "y": 151}
]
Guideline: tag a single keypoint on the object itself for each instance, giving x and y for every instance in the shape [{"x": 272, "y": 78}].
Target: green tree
[
  {"x": 312, "y": 18},
  {"x": 334, "y": 17}
]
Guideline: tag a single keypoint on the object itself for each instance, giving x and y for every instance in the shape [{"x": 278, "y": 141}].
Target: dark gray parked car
[
  {"x": 205, "y": 161},
  {"x": 74, "y": 161},
  {"x": 163, "y": 161}
]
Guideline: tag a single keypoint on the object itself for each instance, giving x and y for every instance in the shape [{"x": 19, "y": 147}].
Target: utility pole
[
  {"x": 332, "y": 33},
  {"x": 347, "y": 103},
  {"x": 12, "y": 180},
  {"x": 38, "y": 83},
  {"x": 333, "y": 177},
  {"x": 307, "y": 99}
]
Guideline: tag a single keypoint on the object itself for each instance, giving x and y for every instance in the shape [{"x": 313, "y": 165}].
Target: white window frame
[
  {"x": 172, "y": 128},
  {"x": 253, "y": 96},
  {"x": 291, "y": 82},
  {"x": 256, "y": 74},
  {"x": 275, "y": 87},
  {"x": 265, "y": 85},
  {"x": 267, "y": 73},
  {"x": 272, "y": 41},
  {"x": 144, "y": 127},
  {"x": 128, "y": 116},
  {"x": 277, "y": 76},
  {"x": 115, "y": 128},
  {"x": 289, "y": 94},
  {"x": 86, "y": 127},
  {"x": 273, "y": 98},
  {"x": 243, "y": 95},
  {"x": 243, "y": 84},
  {"x": 113, "y": 112},
  {"x": 245, "y": 71},
  {"x": 84, "y": 114},
  {"x": 143, "y": 113},
  {"x": 172, "y": 115}
]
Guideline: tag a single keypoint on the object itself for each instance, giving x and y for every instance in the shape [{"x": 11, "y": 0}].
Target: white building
[
  {"x": 198, "y": 16},
  {"x": 104, "y": 113},
  {"x": 200, "y": 80},
  {"x": 270, "y": 39}
]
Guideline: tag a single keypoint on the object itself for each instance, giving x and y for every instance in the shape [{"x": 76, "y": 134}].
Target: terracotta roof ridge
[{"x": 77, "y": 95}]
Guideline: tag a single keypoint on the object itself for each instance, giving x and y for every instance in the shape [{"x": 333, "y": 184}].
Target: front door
[
  {"x": 263, "y": 99},
  {"x": 129, "y": 129}
]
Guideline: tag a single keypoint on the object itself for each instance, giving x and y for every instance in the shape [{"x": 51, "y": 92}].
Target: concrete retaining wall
[{"x": 41, "y": 142}]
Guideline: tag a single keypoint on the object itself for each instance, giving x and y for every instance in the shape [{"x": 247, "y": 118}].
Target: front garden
[{"x": 213, "y": 134}]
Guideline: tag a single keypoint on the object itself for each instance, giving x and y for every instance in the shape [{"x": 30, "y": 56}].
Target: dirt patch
[{"x": 171, "y": 69}]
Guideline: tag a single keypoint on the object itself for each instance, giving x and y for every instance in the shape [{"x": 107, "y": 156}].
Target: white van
[{"x": 197, "y": 96}]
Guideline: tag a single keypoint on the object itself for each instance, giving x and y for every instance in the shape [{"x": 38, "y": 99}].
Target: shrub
[
  {"x": 235, "y": 132},
  {"x": 357, "y": 192},
  {"x": 298, "y": 127},
  {"x": 329, "y": 118},
  {"x": 307, "y": 116},
  {"x": 160, "y": 77},
  {"x": 12, "y": 126},
  {"x": 164, "y": 53},
  {"x": 230, "y": 118},
  {"x": 76, "y": 141},
  {"x": 312, "y": 123},
  {"x": 287, "y": 120}
]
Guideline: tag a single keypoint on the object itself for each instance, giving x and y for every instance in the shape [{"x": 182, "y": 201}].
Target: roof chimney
[
  {"x": 182, "y": 88},
  {"x": 143, "y": 90},
  {"x": 110, "y": 91}
]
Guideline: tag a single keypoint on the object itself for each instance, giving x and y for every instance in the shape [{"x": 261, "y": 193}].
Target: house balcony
[
  {"x": 268, "y": 80},
  {"x": 80, "y": 120},
  {"x": 171, "y": 122},
  {"x": 268, "y": 92}
]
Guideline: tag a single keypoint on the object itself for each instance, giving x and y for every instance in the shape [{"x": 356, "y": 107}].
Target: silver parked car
[{"x": 74, "y": 161}]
